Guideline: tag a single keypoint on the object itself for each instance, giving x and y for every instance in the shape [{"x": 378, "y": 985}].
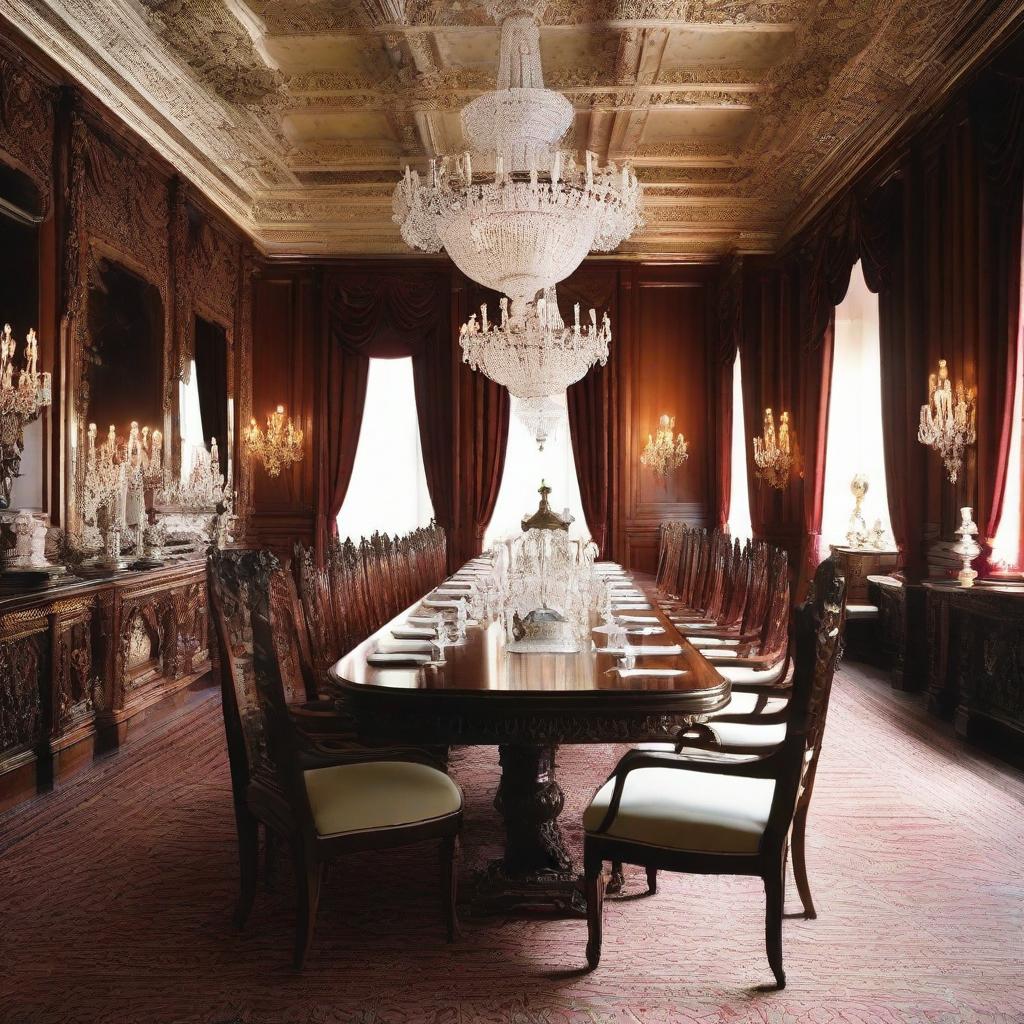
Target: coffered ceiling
[{"x": 296, "y": 116}]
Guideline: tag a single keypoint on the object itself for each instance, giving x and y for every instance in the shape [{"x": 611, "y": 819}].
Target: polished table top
[{"x": 481, "y": 670}]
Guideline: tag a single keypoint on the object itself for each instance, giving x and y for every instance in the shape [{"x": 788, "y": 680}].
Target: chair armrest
[{"x": 765, "y": 767}]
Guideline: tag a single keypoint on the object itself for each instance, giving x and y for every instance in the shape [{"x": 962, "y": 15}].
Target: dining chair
[
  {"x": 322, "y": 803},
  {"x": 668, "y": 811}
]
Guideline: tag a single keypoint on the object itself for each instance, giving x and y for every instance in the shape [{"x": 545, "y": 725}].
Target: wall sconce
[
  {"x": 280, "y": 446},
  {"x": 21, "y": 401},
  {"x": 772, "y": 453},
  {"x": 666, "y": 451},
  {"x": 948, "y": 426}
]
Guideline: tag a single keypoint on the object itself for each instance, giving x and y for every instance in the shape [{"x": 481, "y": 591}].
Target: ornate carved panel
[
  {"x": 74, "y": 677},
  {"x": 27, "y": 114},
  {"x": 24, "y": 665}
]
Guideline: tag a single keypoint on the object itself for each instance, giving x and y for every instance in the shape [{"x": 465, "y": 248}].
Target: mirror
[
  {"x": 205, "y": 412},
  {"x": 20, "y": 216}
]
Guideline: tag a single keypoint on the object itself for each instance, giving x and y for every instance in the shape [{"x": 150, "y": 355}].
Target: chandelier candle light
[
  {"x": 530, "y": 350},
  {"x": 772, "y": 454},
  {"x": 947, "y": 426},
  {"x": 541, "y": 417},
  {"x": 280, "y": 446},
  {"x": 667, "y": 451},
  {"x": 21, "y": 401}
]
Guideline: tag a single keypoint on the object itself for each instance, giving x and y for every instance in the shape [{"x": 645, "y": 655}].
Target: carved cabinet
[
  {"x": 85, "y": 665},
  {"x": 975, "y": 641}
]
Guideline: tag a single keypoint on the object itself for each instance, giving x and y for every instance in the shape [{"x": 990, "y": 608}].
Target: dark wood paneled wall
[{"x": 663, "y": 325}]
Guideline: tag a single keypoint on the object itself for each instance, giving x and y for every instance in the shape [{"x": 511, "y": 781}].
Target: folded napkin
[
  {"x": 413, "y": 633},
  {"x": 431, "y": 602},
  {"x": 628, "y": 596},
  {"x": 616, "y": 583},
  {"x": 710, "y": 641},
  {"x": 645, "y": 630},
  {"x": 631, "y": 606},
  {"x": 634, "y": 673},
  {"x": 662, "y": 650},
  {"x": 452, "y": 592},
  {"x": 636, "y": 618},
  {"x": 397, "y": 658},
  {"x": 717, "y": 654}
]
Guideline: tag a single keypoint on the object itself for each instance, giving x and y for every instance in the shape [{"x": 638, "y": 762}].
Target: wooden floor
[{"x": 117, "y": 895}]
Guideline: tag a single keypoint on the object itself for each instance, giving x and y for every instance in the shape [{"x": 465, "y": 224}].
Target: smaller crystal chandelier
[
  {"x": 21, "y": 402},
  {"x": 948, "y": 426},
  {"x": 667, "y": 451},
  {"x": 280, "y": 446},
  {"x": 541, "y": 417},
  {"x": 772, "y": 454},
  {"x": 530, "y": 350}
]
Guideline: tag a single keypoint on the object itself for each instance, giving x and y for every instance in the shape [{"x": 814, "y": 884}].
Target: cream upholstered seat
[
  {"x": 747, "y": 704},
  {"x": 744, "y": 675},
  {"x": 676, "y": 809},
  {"x": 378, "y": 794},
  {"x": 861, "y": 612}
]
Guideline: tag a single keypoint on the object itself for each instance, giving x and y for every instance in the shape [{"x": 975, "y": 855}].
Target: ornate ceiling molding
[{"x": 294, "y": 116}]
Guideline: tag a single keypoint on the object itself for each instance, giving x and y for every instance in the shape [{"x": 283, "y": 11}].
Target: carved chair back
[
  {"x": 737, "y": 585},
  {"x": 318, "y": 599},
  {"x": 299, "y": 676},
  {"x": 228, "y": 575},
  {"x": 757, "y": 599},
  {"x": 775, "y": 631},
  {"x": 670, "y": 550}
]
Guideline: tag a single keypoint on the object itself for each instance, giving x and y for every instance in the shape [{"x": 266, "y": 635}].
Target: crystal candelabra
[
  {"x": 967, "y": 547},
  {"x": 530, "y": 222},
  {"x": 541, "y": 417},
  {"x": 947, "y": 420},
  {"x": 113, "y": 497},
  {"x": 530, "y": 350},
  {"x": 667, "y": 450},
  {"x": 857, "y": 531},
  {"x": 21, "y": 401},
  {"x": 280, "y": 446},
  {"x": 204, "y": 489},
  {"x": 772, "y": 454}
]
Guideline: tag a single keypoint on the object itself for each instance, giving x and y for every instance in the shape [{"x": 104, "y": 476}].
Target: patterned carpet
[{"x": 117, "y": 895}]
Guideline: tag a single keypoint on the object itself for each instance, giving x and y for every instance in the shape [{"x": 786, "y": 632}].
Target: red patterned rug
[{"x": 117, "y": 896}]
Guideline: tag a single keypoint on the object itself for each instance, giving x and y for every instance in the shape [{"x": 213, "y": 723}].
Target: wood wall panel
[
  {"x": 663, "y": 359},
  {"x": 285, "y": 348}
]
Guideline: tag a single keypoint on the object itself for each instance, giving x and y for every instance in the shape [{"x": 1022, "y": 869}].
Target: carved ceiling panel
[{"x": 296, "y": 116}]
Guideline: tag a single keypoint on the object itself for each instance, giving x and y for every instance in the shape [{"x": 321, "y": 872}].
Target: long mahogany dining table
[{"x": 527, "y": 705}]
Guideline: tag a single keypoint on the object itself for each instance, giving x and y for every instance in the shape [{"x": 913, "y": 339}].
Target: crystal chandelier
[
  {"x": 541, "y": 417},
  {"x": 667, "y": 451},
  {"x": 280, "y": 446},
  {"x": 948, "y": 426},
  {"x": 772, "y": 454},
  {"x": 531, "y": 223},
  {"x": 530, "y": 350},
  {"x": 21, "y": 402}
]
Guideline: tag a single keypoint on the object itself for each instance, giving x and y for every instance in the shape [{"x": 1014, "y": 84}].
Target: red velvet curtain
[
  {"x": 723, "y": 369},
  {"x": 387, "y": 316}
]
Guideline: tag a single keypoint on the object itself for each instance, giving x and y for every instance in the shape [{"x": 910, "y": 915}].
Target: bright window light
[
  {"x": 739, "y": 497},
  {"x": 191, "y": 421},
  {"x": 854, "y": 442},
  {"x": 388, "y": 491},
  {"x": 525, "y": 467},
  {"x": 1006, "y": 551}
]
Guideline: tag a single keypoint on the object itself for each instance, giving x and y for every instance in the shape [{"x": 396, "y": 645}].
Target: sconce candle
[
  {"x": 948, "y": 426},
  {"x": 772, "y": 454},
  {"x": 667, "y": 451},
  {"x": 280, "y": 446},
  {"x": 21, "y": 401}
]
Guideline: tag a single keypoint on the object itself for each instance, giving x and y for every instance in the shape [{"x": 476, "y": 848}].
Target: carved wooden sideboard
[
  {"x": 975, "y": 643},
  {"x": 83, "y": 665}
]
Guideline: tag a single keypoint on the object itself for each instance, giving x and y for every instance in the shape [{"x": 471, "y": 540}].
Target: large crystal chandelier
[
  {"x": 541, "y": 417},
  {"x": 530, "y": 350},
  {"x": 530, "y": 223},
  {"x": 948, "y": 420}
]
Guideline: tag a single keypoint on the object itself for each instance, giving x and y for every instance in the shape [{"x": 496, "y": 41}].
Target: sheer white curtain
[
  {"x": 854, "y": 443},
  {"x": 190, "y": 422},
  {"x": 739, "y": 496},
  {"x": 388, "y": 491},
  {"x": 525, "y": 467}
]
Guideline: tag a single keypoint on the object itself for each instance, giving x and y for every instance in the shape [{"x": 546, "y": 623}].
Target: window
[
  {"x": 854, "y": 443},
  {"x": 1006, "y": 545},
  {"x": 525, "y": 467},
  {"x": 191, "y": 422},
  {"x": 739, "y": 494},
  {"x": 388, "y": 491}
]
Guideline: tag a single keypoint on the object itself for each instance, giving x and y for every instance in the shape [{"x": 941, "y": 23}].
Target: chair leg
[
  {"x": 593, "y": 874},
  {"x": 800, "y": 863},
  {"x": 248, "y": 862},
  {"x": 449, "y": 847},
  {"x": 652, "y": 880},
  {"x": 775, "y": 896},
  {"x": 308, "y": 874}
]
